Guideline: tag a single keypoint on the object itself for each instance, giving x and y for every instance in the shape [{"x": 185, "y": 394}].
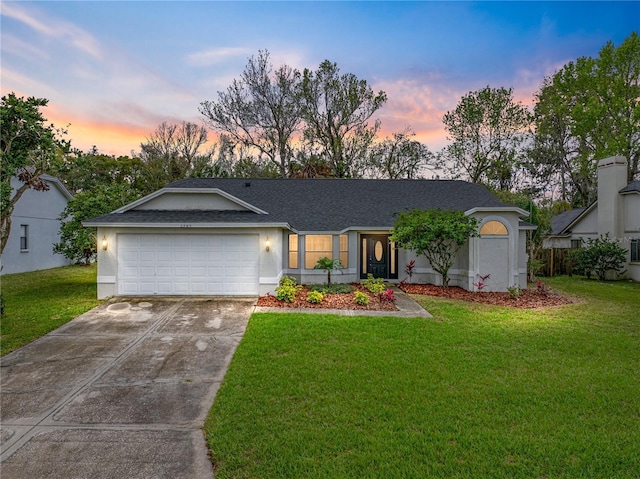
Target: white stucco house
[
  {"x": 221, "y": 236},
  {"x": 35, "y": 227},
  {"x": 616, "y": 212}
]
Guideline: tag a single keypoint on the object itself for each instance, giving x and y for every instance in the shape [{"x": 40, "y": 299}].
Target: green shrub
[
  {"x": 514, "y": 291},
  {"x": 287, "y": 289},
  {"x": 361, "y": 298},
  {"x": 599, "y": 256},
  {"x": 333, "y": 288},
  {"x": 375, "y": 285},
  {"x": 315, "y": 297}
]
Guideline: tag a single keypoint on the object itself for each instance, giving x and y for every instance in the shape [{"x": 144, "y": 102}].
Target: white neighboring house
[
  {"x": 616, "y": 211},
  {"x": 35, "y": 227}
]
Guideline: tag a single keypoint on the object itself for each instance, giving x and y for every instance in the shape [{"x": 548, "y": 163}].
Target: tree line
[{"x": 282, "y": 122}]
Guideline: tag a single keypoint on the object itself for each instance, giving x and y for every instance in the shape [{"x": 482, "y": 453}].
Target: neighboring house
[
  {"x": 211, "y": 236},
  {"x": 35, "y": 227},
  {"x": 616, "y": 212}
]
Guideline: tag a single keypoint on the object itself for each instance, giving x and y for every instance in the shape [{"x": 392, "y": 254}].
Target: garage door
[{"x": 187, "y": 265}]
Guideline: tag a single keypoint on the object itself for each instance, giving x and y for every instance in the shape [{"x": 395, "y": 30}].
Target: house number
[{"x": 185, "y": 226}]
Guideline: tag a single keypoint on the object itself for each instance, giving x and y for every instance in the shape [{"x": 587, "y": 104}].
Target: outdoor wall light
[
  {"x": 267, "y": 244},
  {"x": 104, "y": 243}
]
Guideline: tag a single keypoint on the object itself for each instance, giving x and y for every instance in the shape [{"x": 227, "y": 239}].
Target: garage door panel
[{"x": 188, "y": 264}]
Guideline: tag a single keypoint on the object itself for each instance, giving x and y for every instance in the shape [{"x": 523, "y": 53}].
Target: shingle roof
[
  {"x": 561, "y": 221},
  {"x": 634, "y": 186},
  {"x": 320, "y": 204}
]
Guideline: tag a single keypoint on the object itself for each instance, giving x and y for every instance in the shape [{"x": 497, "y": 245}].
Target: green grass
[
  {"x": 476, "y": 392},
  {"x": 41, "y": 301}
]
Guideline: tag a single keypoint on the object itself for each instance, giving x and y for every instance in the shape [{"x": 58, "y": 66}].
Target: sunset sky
[{"x": 114, "y": 71}]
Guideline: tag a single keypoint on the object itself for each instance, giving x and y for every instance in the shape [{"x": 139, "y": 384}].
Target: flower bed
[{"x": 330, "y": 301}]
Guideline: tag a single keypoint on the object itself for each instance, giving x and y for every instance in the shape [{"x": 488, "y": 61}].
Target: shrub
[
  {"x": 514, "y": 291},
  {"x": 410, "y": 269},
  {"x": 601, "y": 255},
  {"x": 361, "y": 298},
  {"x": 287, "y": 289},
  {"x": 387, "y": 296},
  {"x": 315, "y": 297},
  {"x": 375, "y": 285},
  {"x": 328, "y": 265},
  {"x": 542, "y": 288}
]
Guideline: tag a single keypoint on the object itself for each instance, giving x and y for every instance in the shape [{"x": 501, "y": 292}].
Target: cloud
[
  {"x": 54, "y": 28},
  {"x": 215, "y": 56}
]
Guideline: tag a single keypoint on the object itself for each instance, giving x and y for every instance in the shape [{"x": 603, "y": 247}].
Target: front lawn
[
  {"x": 477, "y": 391},
  {"x": 41, "y": 301}
]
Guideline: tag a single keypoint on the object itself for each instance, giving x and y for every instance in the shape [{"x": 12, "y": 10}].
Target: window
[
  {"x": 344, "y": 250},
  {"x": 493, "y": 228},
  {"x": 576, "y": 243},
  {"x": 24, "y": 237},
  {"x": 635, "y": 250},
  {"x": 316, "y": 247},
  {"x": 293, "y": 251}
]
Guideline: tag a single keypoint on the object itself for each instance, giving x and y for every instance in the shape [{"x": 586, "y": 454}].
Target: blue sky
[{"x": 115, "y": 70}]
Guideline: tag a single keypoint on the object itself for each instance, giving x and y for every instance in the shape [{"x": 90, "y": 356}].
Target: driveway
[{"x": 121, "y": 391}]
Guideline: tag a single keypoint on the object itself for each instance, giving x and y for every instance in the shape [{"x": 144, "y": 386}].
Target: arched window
[{"x": 493, "y": 228}]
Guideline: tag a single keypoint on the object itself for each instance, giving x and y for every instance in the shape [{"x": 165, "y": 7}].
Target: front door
[{"x": 377, "y": 257}]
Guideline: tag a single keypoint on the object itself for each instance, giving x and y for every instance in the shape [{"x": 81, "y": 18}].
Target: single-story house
[
  {"x": 223, "y": 236},
  {"x": 616, "y": 212},
  {"x": 35, "y": 227}
]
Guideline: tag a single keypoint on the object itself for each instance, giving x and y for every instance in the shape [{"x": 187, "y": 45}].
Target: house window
[
  {"x": 635, "y": 250},
  {"x": 316, "y": 247},
  {"x": 493, "y": 228},
  {"x": 293, "y": 251},
  {"x": 576, "y": 243},
  {"x": 24, "y": 237},
  {"x": 344, "y": 250}
]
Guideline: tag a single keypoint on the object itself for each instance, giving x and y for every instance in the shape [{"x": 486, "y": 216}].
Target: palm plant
[{"x": 328, "y": 265}]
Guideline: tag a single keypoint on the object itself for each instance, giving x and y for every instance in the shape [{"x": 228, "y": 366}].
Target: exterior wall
[
  {"x": 500, "y": 257},
  {"x": 631, "y": 230},
  {"x": 270, "y": 268},
  {"x": 588, "y": 226},
  {"x": 190, "y": 201},
  {"x": 40, "y": 211}
]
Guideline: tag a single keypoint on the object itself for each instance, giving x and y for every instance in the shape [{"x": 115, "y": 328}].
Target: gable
[
  {"x": 191, "y": 201},
  {"x": 185, "y": 199}
]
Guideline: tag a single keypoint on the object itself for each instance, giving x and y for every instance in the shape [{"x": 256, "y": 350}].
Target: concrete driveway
[{"x": 121, "y": 391}]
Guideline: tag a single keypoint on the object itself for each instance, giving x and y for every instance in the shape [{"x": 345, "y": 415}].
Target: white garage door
[{"x": 187, "y": 265}]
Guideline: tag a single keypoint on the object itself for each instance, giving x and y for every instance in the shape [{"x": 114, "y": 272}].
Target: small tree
[
  {"x": 328, "y": 265},
  {"x": 436, "y": 234}
]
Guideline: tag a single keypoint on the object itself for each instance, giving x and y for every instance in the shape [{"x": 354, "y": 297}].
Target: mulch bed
[
  {"x": 331, "y": 301},
  {"x": 529, "y": 298}
]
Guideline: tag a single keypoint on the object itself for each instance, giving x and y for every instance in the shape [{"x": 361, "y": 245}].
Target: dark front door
[{"x": 375, "y": 256}]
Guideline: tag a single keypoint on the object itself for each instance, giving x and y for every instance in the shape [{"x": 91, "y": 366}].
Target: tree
[
  {"x": 487, "y": 131},
  {"x": 260, "y": 110},
  {"x": 83, "y": 171},
  {"x": 173, "y": 152},
  {"x": 28, "y": 149},
  {"x": 77, "y": 242},
  {"x": 587, "y": 111},
  {"x": 336, "y": 110},
  {"x": 436, "y": 234},
  {"x": 399, "y": 157},
  {"x": 328, "y": 265}
]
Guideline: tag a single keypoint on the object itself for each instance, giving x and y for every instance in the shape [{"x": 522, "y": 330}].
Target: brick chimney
[{"x": 612, "y": 177}]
